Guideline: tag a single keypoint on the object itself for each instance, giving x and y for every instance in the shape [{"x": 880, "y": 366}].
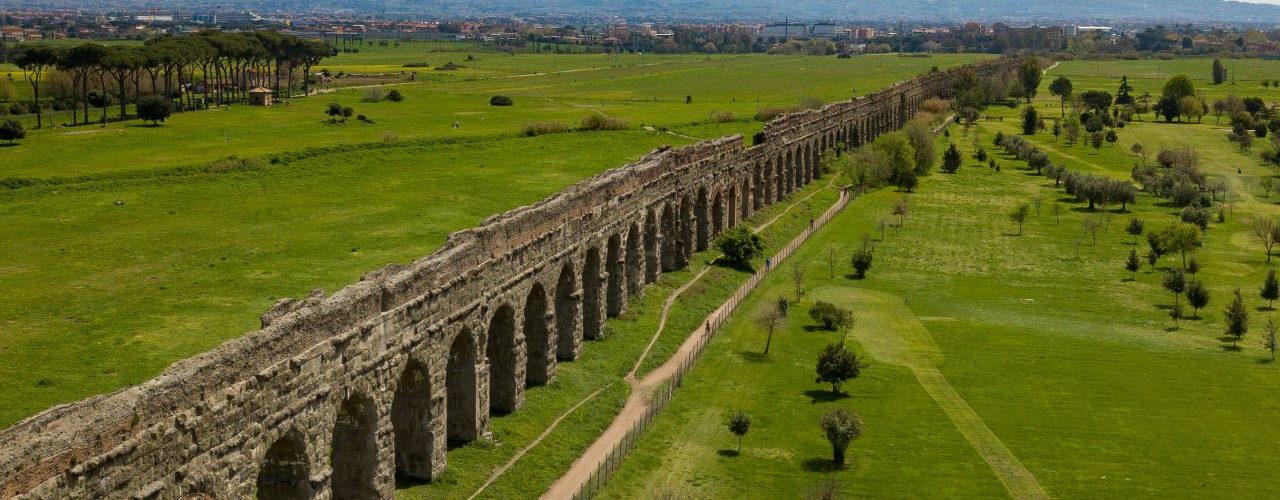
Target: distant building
[
  {"x": 260, "y": 96},
  {"x": 782, "y": 32}
]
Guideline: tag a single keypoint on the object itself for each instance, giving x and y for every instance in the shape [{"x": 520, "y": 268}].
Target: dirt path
[
  {"x": 908, "y": 344},
  {"x": 639, "y": 403},
  {"x": 1050, "y": 68}
]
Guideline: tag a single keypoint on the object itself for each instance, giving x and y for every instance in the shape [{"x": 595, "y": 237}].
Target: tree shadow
[
  {"x": 854, "y": 277},
  {"x": 1171, "y": 328},
  {"x": 1126, "y": 280},
  {"x": 724, "y": 452},
  {"x": 403, "y": 481},
  {"x": 1228, "y": 346},
  {"x": 1265, "y": 361},
  {"x": 824, "y": 396},
  {"x": 1264, "y": 308},
  {"x": 9, "y": 145},
  {"x": 1164, "y": 307},
  {"x": 816, "y": 328},
  {"x": 819, "y": 464},
  {"x": 745, "y": 267},
  {"x": 753, "y": 356}
]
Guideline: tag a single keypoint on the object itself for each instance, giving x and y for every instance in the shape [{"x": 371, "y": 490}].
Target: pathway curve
[
  {"x": 639, "y": 404},
  {"x": 630, "y": 378},
  {"x": 892, "y": 333}
]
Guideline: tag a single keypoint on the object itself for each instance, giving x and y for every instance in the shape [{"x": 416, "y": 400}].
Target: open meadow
[
  {"x": 130, "y": 247},
  {"x": 998, "y": 363}
]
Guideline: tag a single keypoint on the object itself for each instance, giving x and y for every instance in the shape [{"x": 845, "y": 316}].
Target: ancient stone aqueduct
[{"x": 335, "y": 396}]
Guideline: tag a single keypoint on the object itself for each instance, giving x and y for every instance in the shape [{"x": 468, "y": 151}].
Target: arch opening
[
  {"x": 411, "y": 423},
  {"x": 285, "y": 472},
  {"x": 354, "y": 453},
  {"x": 460, "y": 389},
  {"x": 504, "y": 382},
  {"x": 568, "y": 336},
  {"x": 541, "y": 361}
]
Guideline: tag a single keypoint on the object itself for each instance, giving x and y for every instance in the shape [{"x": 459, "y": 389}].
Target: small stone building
[{"x": 261, "y": 96}]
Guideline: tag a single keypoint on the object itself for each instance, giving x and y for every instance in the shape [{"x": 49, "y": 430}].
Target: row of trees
[{"x": 221, "y": 67}]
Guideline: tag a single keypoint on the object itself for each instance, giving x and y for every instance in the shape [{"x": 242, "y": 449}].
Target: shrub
[
  {"x": 532, "y": 129},
  {"x": 768, "y": 113},
  {"x": 395, "y": 96},
  {"x": 722, "y": 117},
  {"x": 500, "y": 100},
  {"x": 810, "y": 103},
  {"x": 416, "y": 65},
  {"x": 831, "y": 316},
  {"x": 602, "y": 122},
  {"x": 739, "y": 245}
]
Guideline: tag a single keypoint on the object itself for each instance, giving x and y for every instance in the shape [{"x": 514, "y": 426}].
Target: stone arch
[
  {"x": 592, "y": 322},
  {"x": 460, "y": 390},
  {"x": 411, "y": 423},
  {"x": 685, "y": 223},
  {"x": 670, "y": 241},
  {"x": 615, "y": 291},
  {"x": 285, "y": 473},
  {"x": 537, "y": 337},
  {"x": 568, "y": 335},
  {"x": 651, "y": 257},
  {"x": 745, "y": 211},
  {"x": 732, "y": 205},
  {"x": 634, "y": 261},
  {"x": 502, "y": 352},
  {"x": 702, "y": 223},
  {"x": 354, "y": 451}
]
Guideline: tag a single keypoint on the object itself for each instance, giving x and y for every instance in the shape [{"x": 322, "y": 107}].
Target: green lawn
[
  {"x": 1074, "y": 368},
  {"x": 644, "y": 95}
]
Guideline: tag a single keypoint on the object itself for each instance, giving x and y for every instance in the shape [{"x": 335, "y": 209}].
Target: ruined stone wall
[{"x": 336, "y": 395}]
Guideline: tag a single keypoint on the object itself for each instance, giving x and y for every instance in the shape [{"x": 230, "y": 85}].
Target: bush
[
  {"x": 739, "y": 245},
  {"x": 810, "y": 103},
  {"x": 500, "y": 100},
  {"x": 416, "y": 65},
  {"x": 768, "y": 113},
  {"x": 395, "y": 96},
  {"x": 722, "y": 117},
  {"x": 372, "y": 95},
  {"x": 532, "y": 129},
  {"x": 601, "y": 122},
  {"x": 831, "y": 316}
]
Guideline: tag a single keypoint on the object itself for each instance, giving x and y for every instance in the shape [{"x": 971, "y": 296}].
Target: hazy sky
[{"x": 1272, "y": 2}]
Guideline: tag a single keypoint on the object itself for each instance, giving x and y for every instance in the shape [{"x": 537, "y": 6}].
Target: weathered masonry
[{"x": 334, "y": 397}]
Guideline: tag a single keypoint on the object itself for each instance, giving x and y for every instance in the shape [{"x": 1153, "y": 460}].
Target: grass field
[
  {"x": 130, "y": 262},
  {"x": 1074, "y": 369},
  {"x": 643, "y": 89}
]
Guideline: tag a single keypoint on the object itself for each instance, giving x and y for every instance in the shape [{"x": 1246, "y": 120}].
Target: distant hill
[
  {"x": 878, "y": 10},
  {"x": 1023, "y": 11}
]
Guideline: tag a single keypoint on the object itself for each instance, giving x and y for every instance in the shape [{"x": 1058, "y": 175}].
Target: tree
[
  {"x": 1191, "y": 107},
  {"x": 1174, "y": 281},
  {"x": 1197, "y": 297},
  {"x": 797, "y": 279},
  {"x": 1071, "y": 126},
  {"x": 769, "y": 319},
  {"x": 1061, "y": 87},
  {"x": 1180, "y": 238},
  {"x": 1122, "y": 94},
  {"x": 153, "y": 108},
  {"x": 841, "y": 427},
  {"x": 900, "y": 158},
  {"x": 1267, "y": 231},
  {"x": 1193, "y": 265},
  {"x": 1271, "y": 289},
  {"x": 739, "y": 424},
  {"x": 836, "y": 365},
  {"x": 1219, "y": 72},
  {"x": 1175, "y": 312},
  {"x": 11, "y": 130},
  {"x": 901, "y": 210},
  {"x": 1269, "y": 340},
  {"x": 34, "y": 61},
  {"x": 923, "y": 145},
  {"x": 1029, "y": 75},
  {"x": 1133, "y": 264},
  {"x": 1237, "y": 318},
  {"x": 1135, "y": 228},
  {"x": 831, "y": 316},
  {"x": 951, "y": 159},
  {"x": 1267, "y": 183},
  {"x": 1019, "y": 215},
  {"x": 1174, "y": 90},
  {"x": 739, "y": 245},
  {"x": 1153, "y": 258},
  {"x": 862, "y": 259},
  {"x": 1030, "y": 120},
  {"x": 1091, "y": 226}
]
